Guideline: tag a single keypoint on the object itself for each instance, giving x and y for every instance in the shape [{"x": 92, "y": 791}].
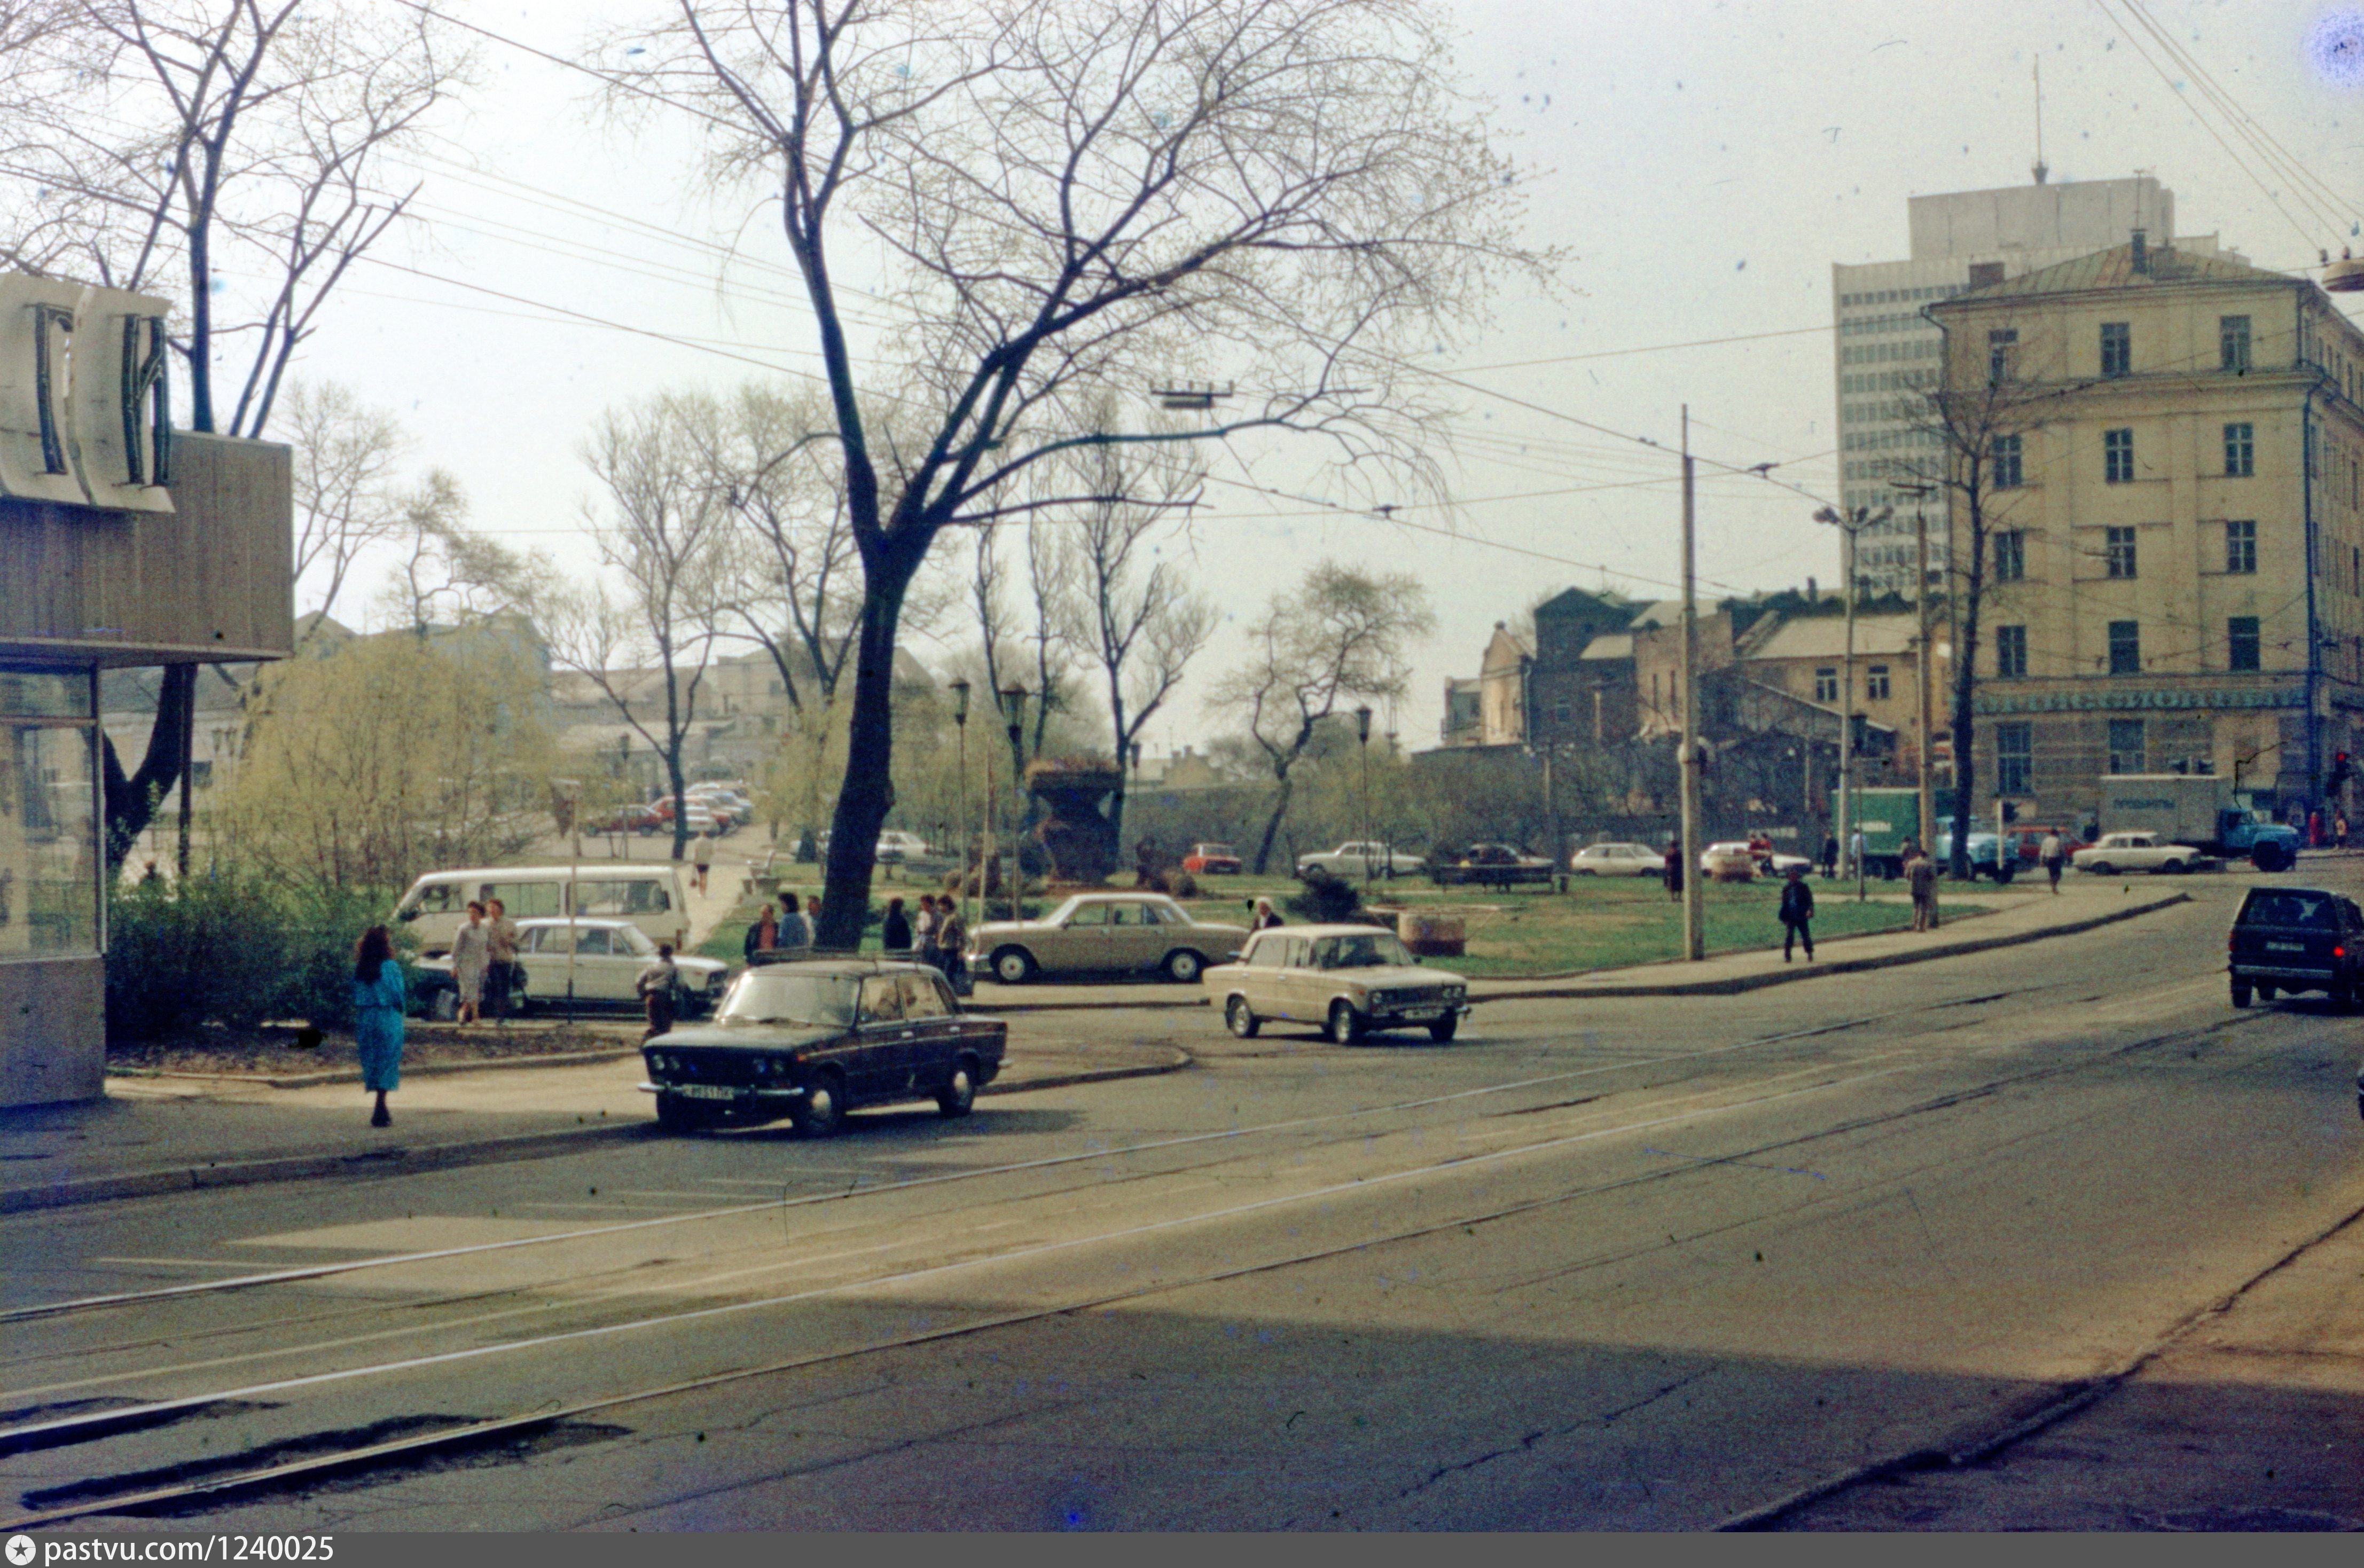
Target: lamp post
[
  {"x": 960, "y": 795},
  {"x": 1013, "y": 707},
  {"x": 1363, "y": 740}
]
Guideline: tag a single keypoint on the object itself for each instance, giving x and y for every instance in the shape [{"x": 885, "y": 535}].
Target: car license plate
[
  {"x": 2285, "y": 947},
  {"x": 705, "y": 1092},
  {"x": 1423, "y": 1015}
]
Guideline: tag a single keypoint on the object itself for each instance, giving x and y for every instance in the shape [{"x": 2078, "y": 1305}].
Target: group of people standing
[
  {"x": 483, "y": 963},
  {"x": 936, "y": 937}
]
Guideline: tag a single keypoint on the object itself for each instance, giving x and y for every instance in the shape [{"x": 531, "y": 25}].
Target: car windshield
[
  {"x": 1377, "y": 951},
  {"x": 816, "y": 999}
]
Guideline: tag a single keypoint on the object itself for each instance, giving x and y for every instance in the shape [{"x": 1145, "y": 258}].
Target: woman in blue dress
[{"x": 379, "y": 996}]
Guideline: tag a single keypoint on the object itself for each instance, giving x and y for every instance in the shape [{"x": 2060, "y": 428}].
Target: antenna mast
[{"x": 2041, "y": 170}]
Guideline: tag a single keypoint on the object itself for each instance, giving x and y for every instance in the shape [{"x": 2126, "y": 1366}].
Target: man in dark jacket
[
  {"x": 1675, "y": 869},
  {"x": 1796, "y": 914}
]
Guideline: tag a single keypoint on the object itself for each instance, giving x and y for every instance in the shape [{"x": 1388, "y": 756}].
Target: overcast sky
[{"x": 1702, "y": 164}]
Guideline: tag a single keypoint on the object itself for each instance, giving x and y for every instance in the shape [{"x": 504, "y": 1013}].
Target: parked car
[
  {"x": 2293, "y": 939},
  {"x": 1491, "y": 865},
  {"x": 1984, "y": 859},
  {"x": 895, "y": 846},
  {"x": 1730, "y": 861},
  {"x": 1347, "y": 980},
  {"x": 2027, "y": 844},
  {"x": 1212, "y": 860},
  {"x": 1103, "y": 933},
  {"x": 641, "y": 819},
  {"x": 697, "y": 813},
  {"x": 1617, "y": 860},
  {"x": 2136, "y": 851},
  {"x": 724, "y": 802},
  {"x": 1364, "y": 858},
  {"x": 649, "y": 896},
  {"x": 609, "y": 957},
  {"x": 814, "y": 1039}
]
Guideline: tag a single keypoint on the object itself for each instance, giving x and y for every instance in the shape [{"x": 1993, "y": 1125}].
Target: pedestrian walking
[
  {"x": 501, "y": 965},
  {"x": 472, "y": 957},
  {"x": 380, "y": 994},
  {"x": 2054, "y": 856},
  {"x": 952, "y": 936},
  {"x": 794, "y": 932},
  {"x": 895, "y": 930},
  {"x": 923, "y": 930},
  {"x": 1267, "y": 916},
  {"x": 1829, "y": 856},
  {"x": 1675, "y": 869},
  {"x": 764, "y": 936},
  {"x": 701, "y": 857},
  {"x": 1796, "y": 914},
  {"x": 656, "y": 986},
  {"x": 1921, "y": 876}
]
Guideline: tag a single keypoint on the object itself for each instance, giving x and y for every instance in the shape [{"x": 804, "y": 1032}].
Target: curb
[
  {"x": 1738, "y": 984},
  {"x": 313, "y": 1080},
  {"x": 401, "y": 1160},
  {"x": 996, "y": 1011}
]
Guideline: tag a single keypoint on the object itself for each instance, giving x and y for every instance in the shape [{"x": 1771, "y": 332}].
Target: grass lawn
[{"x": 1601, "y": 923}]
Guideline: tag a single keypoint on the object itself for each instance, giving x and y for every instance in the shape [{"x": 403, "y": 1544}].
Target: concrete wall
[
  {"x": 53, "y": 1030},
  {"x": 2095, "y": 214}
]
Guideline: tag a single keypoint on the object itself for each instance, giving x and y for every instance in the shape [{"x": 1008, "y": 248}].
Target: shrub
[
  {"x": 1178, "y": 884},
  {"x": 1326, "y": 899},
  {"x": 233, "y": 948}
]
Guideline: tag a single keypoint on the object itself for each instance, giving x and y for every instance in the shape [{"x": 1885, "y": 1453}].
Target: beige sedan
[
  {"x": 1103, "y": 933},
  {"x": 1347, "y": 979}
]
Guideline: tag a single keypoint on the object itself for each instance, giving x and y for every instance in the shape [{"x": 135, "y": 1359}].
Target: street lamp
[
  {"x": 1363, "y": 740},
  {"x": 960, "y": 795},
  {"x": 1013, "y": 707}
]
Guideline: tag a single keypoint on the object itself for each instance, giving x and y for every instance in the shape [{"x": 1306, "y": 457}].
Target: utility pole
[
  {"x": 1694, "y": 937},
  {"x": 1925, "y": 659},
  {"x": 1849, "y": 524}
]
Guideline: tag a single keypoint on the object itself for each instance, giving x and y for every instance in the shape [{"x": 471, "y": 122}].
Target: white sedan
[
  {"x": 1733, "y": 861},
  {"x": 1617, "y": 860},
  {"x": 608, "y": 956},
  {"x": 2136, "y": 851}
]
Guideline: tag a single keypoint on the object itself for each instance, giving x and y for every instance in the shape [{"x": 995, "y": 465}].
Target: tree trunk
[
  {"x": 868, "y": 793},
  {"x": 131, "y": 802},
  {"x": 1272, "y": 823},
  {"x": 1965, "y": 691}
]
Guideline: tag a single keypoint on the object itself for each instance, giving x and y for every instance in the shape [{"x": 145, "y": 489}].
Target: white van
[{"x": 649, "y": 896}]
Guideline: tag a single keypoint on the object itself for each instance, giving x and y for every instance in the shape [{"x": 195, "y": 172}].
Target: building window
[
  {"x": 2241, "y": 548},
  {"x": 2008, "y": 474},
  {"x": 1984, "y": 274},
  {"x": 2241, "y": 642},
  {"x": 2119, "y": 549},
  {"x": 2117, "y": 348},
  {"x": 2010, "y": 555},
  {"x": 48, "y": 815},
  {"x": 1998, "y": 353},
  {"x": 2126, "y": 648},
  {"x": 1826, "y": 685},
  {"x": 2118, "y": 457},
  {"x": 2240, "y": 451},
  {"x": 1875, "y": 684},
  {"x": 2011, "y": 651},
  {"x": 2015, "y": 758},
  {"x": 2125, "y": 745},
  {"x": 2233, "y": 342}
]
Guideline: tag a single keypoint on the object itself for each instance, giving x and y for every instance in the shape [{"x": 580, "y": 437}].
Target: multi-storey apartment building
[
  {"x": 1886, "y": 349},
  {"x": 2175, "y": 571}
]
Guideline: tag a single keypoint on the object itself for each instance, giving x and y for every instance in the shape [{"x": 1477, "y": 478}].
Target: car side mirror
[
  {"x": 406, "y": 915},
  {"x": 1231, "y": 958}
]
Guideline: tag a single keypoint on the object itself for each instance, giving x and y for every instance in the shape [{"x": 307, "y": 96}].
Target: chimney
[
  {"x": 1811, "y": 593},
  {"x": 2142, "y": 253}
]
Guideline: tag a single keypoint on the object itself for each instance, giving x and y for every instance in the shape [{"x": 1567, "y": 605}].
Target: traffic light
[
  {"x": 2011, "y": 811},
  {"x": 2341, "y": 772}
]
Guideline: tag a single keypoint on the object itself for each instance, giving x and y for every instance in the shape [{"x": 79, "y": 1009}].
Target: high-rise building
[{"x": 1887, "y": 350}]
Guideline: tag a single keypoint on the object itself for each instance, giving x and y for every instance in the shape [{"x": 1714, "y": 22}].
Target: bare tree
[
  {"x": 662, "y": 532},
  {"x": 345, "y": 495},
  {"x": 155, "y": 143},
  {"x": 1345, "y": 635},
  {"x": 451, "y": 574},
  {"x": 1079, "y": 196},
  {"x": 1127, "y": 603}
]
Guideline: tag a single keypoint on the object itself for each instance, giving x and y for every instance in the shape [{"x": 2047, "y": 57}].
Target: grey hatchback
[{"x": 2293, "y": 939}]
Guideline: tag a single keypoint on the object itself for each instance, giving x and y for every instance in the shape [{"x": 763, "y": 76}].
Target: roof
[
  {"x": 1609, "y": 645},
  {"x": 1825, "y": 636},
  {"x": 1658, "y": 612},
  {"x": 2114, "y": 269},
  {"x": 1333, "y": 929}
]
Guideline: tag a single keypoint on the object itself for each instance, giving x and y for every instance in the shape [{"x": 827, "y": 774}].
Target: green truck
[{"x": 1887, "y": 817}]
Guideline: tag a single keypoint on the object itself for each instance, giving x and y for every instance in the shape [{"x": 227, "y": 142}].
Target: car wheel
[
  {"x": 1013, "y": 966},
  {"x": 2171, "y": 868},
  {"x": 1182, "y": 966},
  {"x": 1444, "y": 1027},
  {"x": 1345, "y": 1023},
  {"x": 2270, "y": 857},
  {"x": 444, "y": 1005},
  {"x": 2240, "y": 994},
  {"x": 1239, "y": 1020},
  {"x": 2266, "y": 993},
  {"x": 821, "y": 1112},
  {"x": 677, "y": 1114},
  {"x": 956, "y": 1096},
  {"x": 2102, "y": 868},
  {"x": 1386, "y": 874}
]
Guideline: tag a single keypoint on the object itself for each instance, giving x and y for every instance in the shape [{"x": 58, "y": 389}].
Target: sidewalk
[
  {"x": 2250, "y": 1418},
  {"x": 157, "y": 1135}
]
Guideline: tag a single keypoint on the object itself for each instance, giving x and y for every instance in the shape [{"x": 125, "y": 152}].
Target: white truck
[
  {"x": 1363, "y": 858},
  {"x": 2200, "y": 810}
]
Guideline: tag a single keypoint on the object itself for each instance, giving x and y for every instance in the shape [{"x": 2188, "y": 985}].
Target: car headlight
[
  {"x": 660, "y": 1062},
  {"x": 1455, "y": 992}
]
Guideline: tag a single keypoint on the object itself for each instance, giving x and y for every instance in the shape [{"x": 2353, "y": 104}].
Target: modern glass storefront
[{"x": 49, "y": 905}]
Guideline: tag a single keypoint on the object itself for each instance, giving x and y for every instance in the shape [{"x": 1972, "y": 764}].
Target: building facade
[
  {"x": 2176, "y": 504},
  {"x": 1886, "y": 351}
]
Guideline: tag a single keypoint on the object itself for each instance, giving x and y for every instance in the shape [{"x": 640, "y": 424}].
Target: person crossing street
[
  {"x": 1921, "y": 876},
  {"x": 1796, "y": 914}
]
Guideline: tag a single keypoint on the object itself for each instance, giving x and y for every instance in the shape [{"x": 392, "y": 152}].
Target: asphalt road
[{"x": 1637, "y": 1266}]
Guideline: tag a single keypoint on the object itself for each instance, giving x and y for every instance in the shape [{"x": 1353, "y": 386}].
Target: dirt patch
[{"x": 277, "y": 1053}]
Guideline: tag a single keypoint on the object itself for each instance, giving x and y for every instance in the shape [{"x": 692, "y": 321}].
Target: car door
[
  {"x": 601, "y": 973},
  {"x": 1262, "y": 978},
  {"x": 882, "y": 1051},
  {"x": 1299, "y": 982},
  {"x": 935, "y": 1031},
  {"x": 1085, "y": 942}
]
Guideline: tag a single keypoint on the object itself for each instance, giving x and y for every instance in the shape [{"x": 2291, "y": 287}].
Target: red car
[
  {"x": 641, "y": 819},
  {"x": 2027, "y": 844},
  {"x": 1211, "y": 860}
]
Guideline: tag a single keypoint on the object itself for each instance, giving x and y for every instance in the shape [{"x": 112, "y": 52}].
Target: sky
[{"x": 1702, "y": 165}]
